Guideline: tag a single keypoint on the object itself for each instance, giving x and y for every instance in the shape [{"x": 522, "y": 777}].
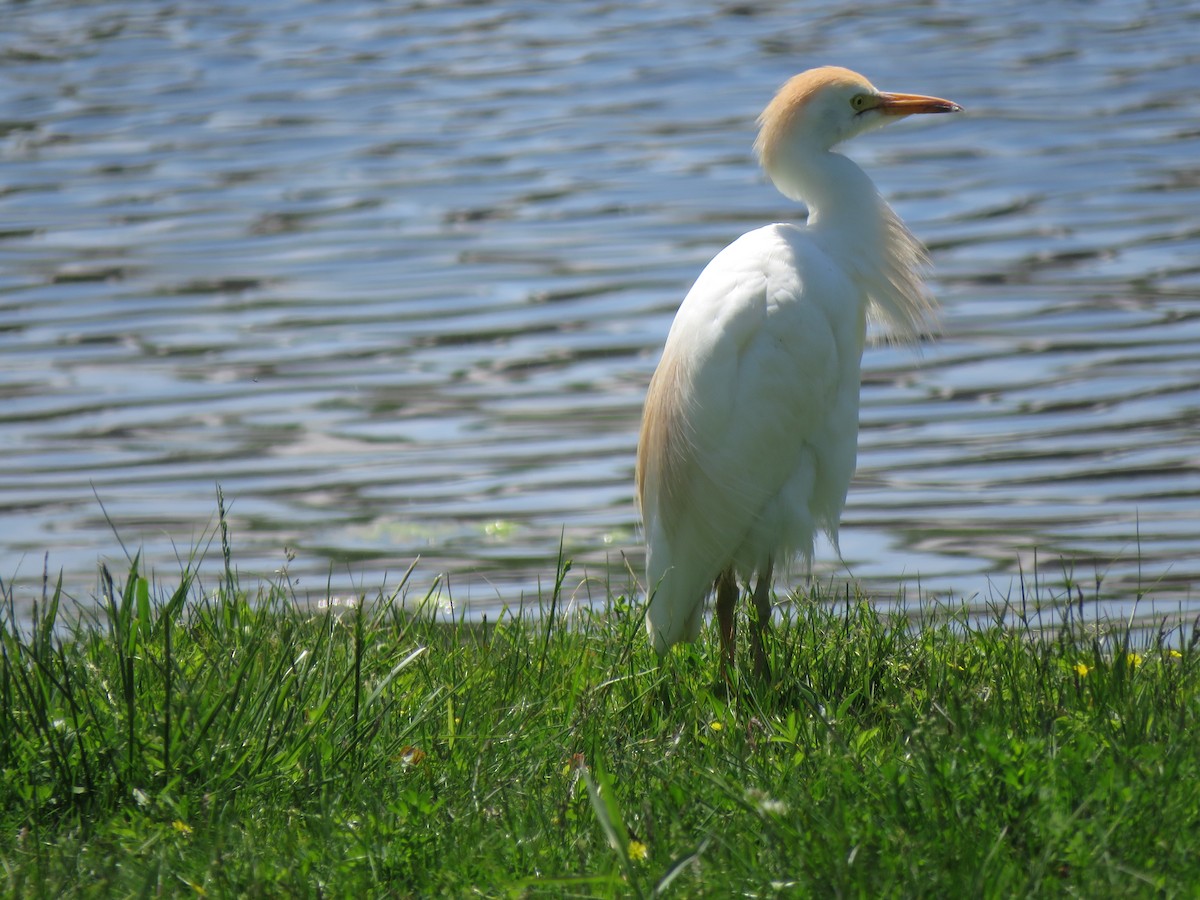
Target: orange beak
[{"x": 910, "y": 104}]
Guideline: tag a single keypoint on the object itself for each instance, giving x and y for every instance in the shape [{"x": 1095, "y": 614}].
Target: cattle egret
[{"x": 750, "y": 429}]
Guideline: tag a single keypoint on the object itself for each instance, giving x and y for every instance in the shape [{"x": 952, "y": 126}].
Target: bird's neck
[{"x": 849, "y": 219}]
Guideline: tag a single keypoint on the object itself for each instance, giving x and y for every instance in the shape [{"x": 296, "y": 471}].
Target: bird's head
[{"x": 820, "y": 108}]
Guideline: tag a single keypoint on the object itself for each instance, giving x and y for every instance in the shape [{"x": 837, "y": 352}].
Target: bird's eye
[{"x": 859, "y": 102}]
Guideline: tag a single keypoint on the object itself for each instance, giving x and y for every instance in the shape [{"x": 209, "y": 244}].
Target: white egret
[{"x": 750, "y": 429}]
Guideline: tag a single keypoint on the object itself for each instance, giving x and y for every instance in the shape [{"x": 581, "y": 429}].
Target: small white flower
[{"x": 765, "y": 804}]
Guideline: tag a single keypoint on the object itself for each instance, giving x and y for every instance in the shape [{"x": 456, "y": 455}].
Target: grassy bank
[{"x": 236, "y": 744}]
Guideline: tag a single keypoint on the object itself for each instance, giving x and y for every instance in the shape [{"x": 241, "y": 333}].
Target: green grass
[{"x": 236, "y": 744}]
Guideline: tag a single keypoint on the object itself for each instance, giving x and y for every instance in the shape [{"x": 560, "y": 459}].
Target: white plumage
[{"x": 750, "y": 427}]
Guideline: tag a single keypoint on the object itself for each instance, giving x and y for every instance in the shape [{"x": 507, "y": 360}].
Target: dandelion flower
[
  {"x": 638, "y": 851},
  {"x": 1081, "y": 669}
]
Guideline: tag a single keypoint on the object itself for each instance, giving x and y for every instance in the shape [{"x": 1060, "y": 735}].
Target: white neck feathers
[{"x": 852, "y": 221}]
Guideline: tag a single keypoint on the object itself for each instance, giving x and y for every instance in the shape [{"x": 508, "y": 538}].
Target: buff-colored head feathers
[
  {"x": 778, "y": 121},
  {"x": 831, "y": 104}
]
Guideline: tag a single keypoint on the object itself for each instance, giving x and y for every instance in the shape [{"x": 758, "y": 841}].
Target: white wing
[{"x": 749, "y": 436}]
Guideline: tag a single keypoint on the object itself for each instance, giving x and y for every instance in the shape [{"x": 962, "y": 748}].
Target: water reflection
[{"x": 396, "y": 277}]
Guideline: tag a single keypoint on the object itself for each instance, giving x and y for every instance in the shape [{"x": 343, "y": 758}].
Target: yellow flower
[
  {"x": 715, "y": 726},
  {"x": 1081, "y": 669},
  {"x": 1175, "y": 654},
  {"x": 181, "y": 826},
  {"x": 1134, "y": 659},
  {"x": 638, "y": 851}
]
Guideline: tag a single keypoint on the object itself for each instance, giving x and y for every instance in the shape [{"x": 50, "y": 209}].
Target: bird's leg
[
  {"x": 727, "y": 594},
  {"x": 762, "y": 602}
]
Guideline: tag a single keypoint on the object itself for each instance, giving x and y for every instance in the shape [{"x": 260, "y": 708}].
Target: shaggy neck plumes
[{"x": 875, "y": 245}]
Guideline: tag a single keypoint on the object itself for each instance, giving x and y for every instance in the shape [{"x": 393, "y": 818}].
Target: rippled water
[{"x": 396, "y": 276}]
